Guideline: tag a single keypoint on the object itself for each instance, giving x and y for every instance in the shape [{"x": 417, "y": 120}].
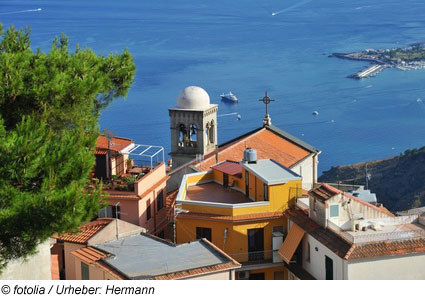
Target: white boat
[{"x": 229, "y": 97}]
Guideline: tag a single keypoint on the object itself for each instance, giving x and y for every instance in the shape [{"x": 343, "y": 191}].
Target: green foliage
[
  {"x": 49, "y": 108},
  {"x": 71, "y": 86}
]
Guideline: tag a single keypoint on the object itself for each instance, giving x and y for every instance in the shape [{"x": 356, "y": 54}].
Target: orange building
[{"x": 239, "y": 206}]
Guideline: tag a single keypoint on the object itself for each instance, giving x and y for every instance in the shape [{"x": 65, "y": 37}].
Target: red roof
[
  {"x": 267, "y": 142},
  {"x": 86, "y": 231},
  {"x": 325, "y": 236},
  {"x": 350, "y": 251},
  {"x": 386, "y": 248},
  {"x": 89, "y": 254},
  {"x": 229, "y": 167},
  {"x": 117, "y": 143}
]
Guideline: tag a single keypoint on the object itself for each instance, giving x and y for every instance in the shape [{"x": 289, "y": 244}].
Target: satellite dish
[{"x": 108, "y": 133}]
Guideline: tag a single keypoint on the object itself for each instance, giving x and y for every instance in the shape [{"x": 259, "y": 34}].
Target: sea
[{"x": 249, "y": 47}]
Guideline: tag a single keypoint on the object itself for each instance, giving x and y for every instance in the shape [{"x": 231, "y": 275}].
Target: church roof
[{"x": 269, "y": 141}]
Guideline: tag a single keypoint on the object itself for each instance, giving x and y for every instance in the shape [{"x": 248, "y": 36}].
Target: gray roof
[
  {"x": 365, "y": 195},
  {"x": 413, "y": 211},
  {"x": 271, "y": 172},
  {"x": 143, "y": 256}
]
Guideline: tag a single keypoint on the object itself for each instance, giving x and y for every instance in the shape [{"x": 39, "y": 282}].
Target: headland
[{"x": 406, "y": 58}]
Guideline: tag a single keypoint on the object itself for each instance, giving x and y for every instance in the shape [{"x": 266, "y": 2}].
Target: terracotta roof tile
[
  {"x": 117, "y": 143},
  {"x": 100, "y": 152},
  {"x": 196, "y": 272},
  {"x": 325, "y": 236},
  {"x": 256, "y": 216},
  {"x": 124, "y": 195},
  {"x": 89, "y": 254},
  {"x": 323, "y": 192},
  {"x": 86, "y": 231},
  {"x": 268, "y": 144},
  {"x": 349, "y": 251},
  {"x": 387, "y": 248}
]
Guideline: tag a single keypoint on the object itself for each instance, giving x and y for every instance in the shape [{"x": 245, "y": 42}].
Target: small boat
[
  {"x": 229, "y": 97},
  {"x": 315, "y": 113}
]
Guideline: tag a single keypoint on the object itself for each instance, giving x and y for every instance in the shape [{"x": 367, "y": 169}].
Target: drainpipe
[{"x": 216, "y": 154}]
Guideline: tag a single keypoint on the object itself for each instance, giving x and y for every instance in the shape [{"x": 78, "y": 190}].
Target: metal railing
[{"x": 254, "y": 256}]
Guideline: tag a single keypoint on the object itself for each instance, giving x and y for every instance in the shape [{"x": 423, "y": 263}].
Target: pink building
[{"x": 134, "y": 178}]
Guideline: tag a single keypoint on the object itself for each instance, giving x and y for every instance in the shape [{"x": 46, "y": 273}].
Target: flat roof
[
  {"x": 213, "y": 192},
  {"x": 271, "y": 172},
  {"x": 143, "y": 256}
]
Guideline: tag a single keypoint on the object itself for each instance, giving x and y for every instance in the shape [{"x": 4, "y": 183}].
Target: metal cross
[{"x": 266, "y": 100}]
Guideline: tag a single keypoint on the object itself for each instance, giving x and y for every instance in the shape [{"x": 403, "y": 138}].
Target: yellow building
[{"x": 239, "y": 207}]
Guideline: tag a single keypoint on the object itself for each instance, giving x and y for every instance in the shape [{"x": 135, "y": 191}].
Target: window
[
  {"x": 207, "y": 129},
  {"x": 266, "y": 192},
  {"x": 84, "y": 271},
  {"x": 257, "y": 276},
  {"x": 334, "y": 211},
  {"x": 148, "y": 210},
  {"x": 255, "y": 244},
  {"x": 329, "y": 265},
  {"x": 160, "y": 200},
  {"x": 183, "y": 139},
  {"x": 308, "y": 252},
  {"x": 193, "y": 132},
  {"x": 204, "y": 232},
  {"x": 211, "y": 132},
  {"x": 116, "y": 211}
]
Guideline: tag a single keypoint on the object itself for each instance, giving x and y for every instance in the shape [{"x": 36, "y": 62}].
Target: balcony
[{"x": 255, "y": 258}]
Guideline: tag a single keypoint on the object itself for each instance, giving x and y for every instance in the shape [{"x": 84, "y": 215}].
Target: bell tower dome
[{"x": 193, "y": 125}]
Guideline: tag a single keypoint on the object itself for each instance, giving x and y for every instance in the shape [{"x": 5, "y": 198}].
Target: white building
[{"x": 335, "y": 235}]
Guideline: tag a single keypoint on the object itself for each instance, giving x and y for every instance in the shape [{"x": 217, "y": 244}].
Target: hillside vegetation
[{"x": 399, "y": 181}]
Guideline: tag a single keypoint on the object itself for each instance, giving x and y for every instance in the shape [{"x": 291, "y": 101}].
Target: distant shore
[{"x": 407, "y": 58}]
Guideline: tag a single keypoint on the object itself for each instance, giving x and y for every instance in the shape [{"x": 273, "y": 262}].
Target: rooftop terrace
[{"x": 216, "y": 193}]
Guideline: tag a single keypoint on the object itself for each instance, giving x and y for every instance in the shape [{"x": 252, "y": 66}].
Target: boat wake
[
  {"x": 20, "y": 11},
  {"x": 231, "y": 114},
  {"x": 291, "y": 7}
]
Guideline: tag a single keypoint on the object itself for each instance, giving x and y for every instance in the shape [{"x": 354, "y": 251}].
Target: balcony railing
[{"x": 255, "y": 257}]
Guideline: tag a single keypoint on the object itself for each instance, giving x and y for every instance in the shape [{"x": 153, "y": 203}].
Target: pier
[{"x": 369, "y": 71}]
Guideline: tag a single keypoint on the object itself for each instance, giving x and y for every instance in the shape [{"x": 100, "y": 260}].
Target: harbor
[{"x": 368, "y": 72}]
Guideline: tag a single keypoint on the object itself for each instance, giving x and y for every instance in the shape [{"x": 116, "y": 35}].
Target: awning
[{"x": 291, "y": 243}]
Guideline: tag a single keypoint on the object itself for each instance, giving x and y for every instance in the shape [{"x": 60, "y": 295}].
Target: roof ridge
[{"x": 292, "y": 138}]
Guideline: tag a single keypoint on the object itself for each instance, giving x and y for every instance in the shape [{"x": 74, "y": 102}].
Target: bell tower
[{"x": 193, "y": 125}]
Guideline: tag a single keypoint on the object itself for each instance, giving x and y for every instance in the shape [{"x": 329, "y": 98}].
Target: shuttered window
[{"x": 334, "y": 211}]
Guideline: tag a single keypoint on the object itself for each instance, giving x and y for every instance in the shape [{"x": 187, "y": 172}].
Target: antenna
[{"x": 116, "y": 219}]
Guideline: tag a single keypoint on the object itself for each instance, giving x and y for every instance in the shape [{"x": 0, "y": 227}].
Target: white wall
[
  {"x": 389, "y": 267},
  {"x": 316, "y": 265},
  {"x": 226, "y": 275},
  {"x": 305, "y": 169},
  {"x": 36, "y": 267}
]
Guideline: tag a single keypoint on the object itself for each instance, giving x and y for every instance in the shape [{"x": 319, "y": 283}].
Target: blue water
[{"x": 239, "y": 46}]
